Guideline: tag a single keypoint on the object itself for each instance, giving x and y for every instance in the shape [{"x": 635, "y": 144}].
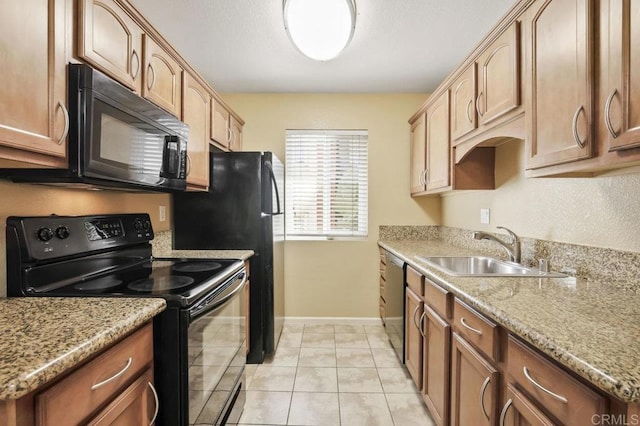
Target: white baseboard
[{"x": 334, "y": 320}]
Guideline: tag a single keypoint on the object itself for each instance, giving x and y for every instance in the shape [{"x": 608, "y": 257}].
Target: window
[{"x": 326, "y": 184}]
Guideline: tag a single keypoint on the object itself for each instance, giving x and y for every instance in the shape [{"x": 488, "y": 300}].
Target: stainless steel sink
[{"x": 480, "y": 266}]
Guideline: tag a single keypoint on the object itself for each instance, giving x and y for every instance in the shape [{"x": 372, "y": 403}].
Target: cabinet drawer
[
  {"x": 383, "y": 289},
  {"x": 438, "y": 298},
  {"x": 568, "y": 400},
  {"x": 72, "y": 399},
  {"x": 478, "y": 330},
  {"x": 383, "y": 269},
  {"x": 383, "y": 252},
  {"x": 415, "y": 280}
]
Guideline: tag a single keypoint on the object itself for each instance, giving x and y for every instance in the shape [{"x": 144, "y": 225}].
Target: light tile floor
[{"x": 332, "y": 374}]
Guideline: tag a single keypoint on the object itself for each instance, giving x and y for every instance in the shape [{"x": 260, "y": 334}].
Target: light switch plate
[
  {"x": 162, "y": 212},
  {"x": 484, "y": 216}
]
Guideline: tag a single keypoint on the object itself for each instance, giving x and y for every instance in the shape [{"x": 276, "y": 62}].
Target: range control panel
[{"x": 48, "y": 237}]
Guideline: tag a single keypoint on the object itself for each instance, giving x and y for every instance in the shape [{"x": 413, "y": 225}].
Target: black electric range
[{"x": 111, "y": 256}]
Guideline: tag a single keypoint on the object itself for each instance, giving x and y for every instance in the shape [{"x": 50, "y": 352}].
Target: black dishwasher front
[{"x": 395, "y": 303}]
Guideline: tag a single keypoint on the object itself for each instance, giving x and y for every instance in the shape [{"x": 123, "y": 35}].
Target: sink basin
[{"x": 480, "y": 266}]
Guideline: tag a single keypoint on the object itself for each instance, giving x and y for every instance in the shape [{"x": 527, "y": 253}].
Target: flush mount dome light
[{"x": 320, "y": 29}]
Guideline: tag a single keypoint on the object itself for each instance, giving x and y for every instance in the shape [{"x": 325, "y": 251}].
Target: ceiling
[{"x": 398, "y": 45}]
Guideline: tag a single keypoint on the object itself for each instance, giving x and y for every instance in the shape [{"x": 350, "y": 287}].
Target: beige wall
[
  {"x": 601, "y": 211},
  {"x": 39, "y": 200},
  {"x": 340, "y": 278}
]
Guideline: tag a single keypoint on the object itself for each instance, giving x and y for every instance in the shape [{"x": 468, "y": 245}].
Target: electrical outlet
[
  {"x": 484, "y": 216},
  {"x": 162, "y": 212}
]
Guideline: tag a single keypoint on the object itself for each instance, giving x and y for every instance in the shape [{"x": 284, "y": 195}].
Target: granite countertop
[
  {"x": 42, "y": 337},
  {"x": 206, "y": 254},
  {"x": 590, "y": 327}
]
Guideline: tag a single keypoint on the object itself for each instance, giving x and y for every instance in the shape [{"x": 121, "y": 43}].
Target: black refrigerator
[{"x": 243, "y": 209}]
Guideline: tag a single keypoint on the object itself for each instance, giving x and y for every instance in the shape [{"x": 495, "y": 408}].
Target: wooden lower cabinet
[
  {"x": 136, "y": 406},
  {"x": 436, "y": 365},
  {"x": 519, "y": 410},
  {"x": 413, "y": 336},
  {"x": 474, "y": 386},
  {"x": 114, "y": 388}
]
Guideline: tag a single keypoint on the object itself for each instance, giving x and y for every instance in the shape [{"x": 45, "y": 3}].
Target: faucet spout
[{"x": 512, "y": 246}]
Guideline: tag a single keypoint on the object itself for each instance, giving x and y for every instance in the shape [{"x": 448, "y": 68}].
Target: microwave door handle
[{"x": 272, "y": 176}]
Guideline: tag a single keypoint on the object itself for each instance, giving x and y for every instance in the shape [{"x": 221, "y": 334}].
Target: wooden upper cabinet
[
  {"x": 499, "y": 76},
  {"x": 195, "y": 113},
  {"x": 622, "y": 107},
  {"x": 220, "y": 130},
  {"x": 438, "y": 144},
  {"x": 162, "y": 78},
  {"x": 560, "y": 82},
  {"x": 463, "y": 109},
  {"x": 418, "y": 154},
  {"x": 33, "y": 93},
  {"x": 109, "y": 39}
]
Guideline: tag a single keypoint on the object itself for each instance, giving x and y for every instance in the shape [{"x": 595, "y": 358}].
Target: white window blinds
[{"x": 326, "y": 184}]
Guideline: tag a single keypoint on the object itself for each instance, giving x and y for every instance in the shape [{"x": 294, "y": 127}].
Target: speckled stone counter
[
  {"x": 42, "y": 337},
  {"x": 591, "y": 327},
  {"x": 162, "y": 248}
]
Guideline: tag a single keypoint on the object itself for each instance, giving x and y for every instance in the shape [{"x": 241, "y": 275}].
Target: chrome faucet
[{"x": 512, "y": 246}]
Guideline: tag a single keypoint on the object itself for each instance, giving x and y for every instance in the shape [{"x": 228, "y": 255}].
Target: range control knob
[
  {"x": 137, "y": 224},
  {"x": 44, "y": 234},
  {"x": 62, "y": 232},
  {"x": 146, "y": 225}
]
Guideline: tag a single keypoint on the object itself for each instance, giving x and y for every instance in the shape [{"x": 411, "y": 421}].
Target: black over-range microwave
[{"x": 116, "y": 140}]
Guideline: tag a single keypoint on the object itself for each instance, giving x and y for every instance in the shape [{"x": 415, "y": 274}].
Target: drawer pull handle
[
  {"x": 503, "y": 413},
  {"x": 483, "y": 389},
  {"x": 65, "y": 132},
  {"x": 576, "y": 136},
  {"x": 115, "y": 376},
  {"x": 542, "y": 388},
  {"x": 468, "y": 327},
  {"x": 151, "y": 71},
  {"x": 421, "y": 328},
  {"x": 607, "y": 114},
  {"x": 469, "y": 111},
  {"x": 134, "y": 75},
  {"x": 478, "y": 104},
  {"x": 415, "y": 311},
  {"x": 155, "y": 397}
]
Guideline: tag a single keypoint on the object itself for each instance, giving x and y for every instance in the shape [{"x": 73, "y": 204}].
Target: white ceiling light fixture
[{"x": 320, "y": 29}]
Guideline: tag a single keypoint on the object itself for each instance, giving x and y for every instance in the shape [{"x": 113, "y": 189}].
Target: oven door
[{"x": 217, "y": 353}]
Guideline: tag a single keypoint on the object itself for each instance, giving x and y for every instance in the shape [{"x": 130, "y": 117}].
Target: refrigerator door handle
[{"x": 275, "y": 185}]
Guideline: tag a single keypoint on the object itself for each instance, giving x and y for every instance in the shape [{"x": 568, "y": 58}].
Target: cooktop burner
[
  {"x": 103, "y": 283},
  {"x": 162, "y": 283},
  {"x": 202, "y": 266}
]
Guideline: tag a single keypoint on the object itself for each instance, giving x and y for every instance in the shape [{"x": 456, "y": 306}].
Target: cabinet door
[
  {"x": 136, "y": 406},
  {"x": 560, "y": 82},
  {"x": 196, "y": 114},
  {"x": 622, "y": 108},
  {"x": 437, "y": 355},
  {"x": 33, "y": 112},
  {"x": 418, "y": 154},
  {"x": 521, "y": 411},
  {"x": 111, "y": 41},
  {"x": 499, "y": 76},
  {"x": 474, "y": 386},
  {"x": 438, "y": 148},
  {"x": 236, "y": 135},
  {"x": 220, "y": 130},
  {"x": 463, "y": 109},
  {"x": 413, "y": 336},
  {"x": 162, "y": 78}
]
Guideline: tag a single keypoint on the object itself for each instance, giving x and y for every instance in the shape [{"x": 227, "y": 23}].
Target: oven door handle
[{"x": 213, "y": 305}]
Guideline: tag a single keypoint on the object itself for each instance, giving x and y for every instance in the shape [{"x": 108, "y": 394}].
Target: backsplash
[
  {"x": 618, "y": 268},
  {"x": 162, "y": 243}
]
